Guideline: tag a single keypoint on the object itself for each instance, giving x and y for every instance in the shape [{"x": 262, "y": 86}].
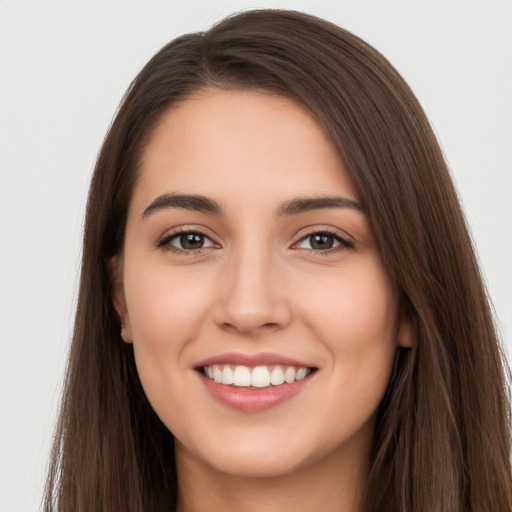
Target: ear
[
  {"x": 115, "y": 265},
  {"x": 405, "y": 330}
]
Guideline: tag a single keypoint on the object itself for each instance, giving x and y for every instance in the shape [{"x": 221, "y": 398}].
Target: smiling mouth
[{"x": 257, "y": 377}]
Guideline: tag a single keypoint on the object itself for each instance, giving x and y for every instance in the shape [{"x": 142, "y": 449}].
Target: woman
[{"x": 279, "y": 305}]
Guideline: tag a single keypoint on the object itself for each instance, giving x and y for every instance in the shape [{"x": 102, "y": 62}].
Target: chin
[
  {"x": 255, "y": 455},
  {"x": 256, "y": 463}
]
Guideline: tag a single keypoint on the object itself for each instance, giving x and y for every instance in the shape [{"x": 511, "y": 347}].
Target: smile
[
  {"x": 253, "y": 383},
  {"x": 257, "y": 377}
]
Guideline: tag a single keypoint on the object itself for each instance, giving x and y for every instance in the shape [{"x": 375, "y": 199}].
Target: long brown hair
[{"x": 442, "y": 440}]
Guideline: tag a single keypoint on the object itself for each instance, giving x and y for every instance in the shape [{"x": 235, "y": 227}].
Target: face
[{"x": 263, "y": 322}]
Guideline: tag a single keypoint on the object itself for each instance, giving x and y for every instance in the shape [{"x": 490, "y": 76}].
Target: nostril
[{"x": 249, "y": 326}]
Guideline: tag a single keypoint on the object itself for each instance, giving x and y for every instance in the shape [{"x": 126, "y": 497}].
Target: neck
[{"x": 332, "y": 484}]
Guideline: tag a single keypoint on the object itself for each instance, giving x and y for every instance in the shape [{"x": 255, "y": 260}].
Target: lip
[
  {"x": 251, "y": 360},
  {"x": 254, "y": 400},
  {"x": 250, "y": 399}
]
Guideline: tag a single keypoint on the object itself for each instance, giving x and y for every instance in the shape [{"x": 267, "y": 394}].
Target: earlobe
[
  {"x": 126, "y": 334},
  {"x": 116, "y": 276}
]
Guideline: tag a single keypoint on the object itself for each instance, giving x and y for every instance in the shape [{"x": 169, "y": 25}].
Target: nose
[{"x": 253, "y": 297}]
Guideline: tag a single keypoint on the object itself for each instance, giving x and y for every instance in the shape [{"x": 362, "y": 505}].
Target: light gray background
[{"x": 63, "y": 69}]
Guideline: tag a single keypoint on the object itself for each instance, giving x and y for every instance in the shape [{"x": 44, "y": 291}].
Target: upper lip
[{"x": 260, "y": 359}]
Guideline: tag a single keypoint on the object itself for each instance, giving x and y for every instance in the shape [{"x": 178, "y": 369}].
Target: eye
[
  {"x": 323, "y": 241},
  {"x": 186, "y": 241}
]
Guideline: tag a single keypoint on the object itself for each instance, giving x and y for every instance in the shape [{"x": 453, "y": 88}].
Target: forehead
[{"x": 240, "y": 145}]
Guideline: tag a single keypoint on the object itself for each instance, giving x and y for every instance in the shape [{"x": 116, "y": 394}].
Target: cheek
[
  {"x": 359, "y": 306},
  {"x": 166, "y": 311},
  {"x": 164, "y": 307},
  {"x": 355, "y": 318}
]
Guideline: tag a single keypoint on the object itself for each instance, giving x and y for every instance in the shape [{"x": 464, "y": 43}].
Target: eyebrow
[
  {"x": 300, "y": 205},
  {"x": 195, "y": 203},
  {"x": 203, "y": 204}
]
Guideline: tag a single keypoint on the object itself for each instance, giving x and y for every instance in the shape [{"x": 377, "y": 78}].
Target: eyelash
[{"x": 165, "y": 242}]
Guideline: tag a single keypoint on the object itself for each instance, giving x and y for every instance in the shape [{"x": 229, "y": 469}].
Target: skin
[{"x": 256, "y": 286}]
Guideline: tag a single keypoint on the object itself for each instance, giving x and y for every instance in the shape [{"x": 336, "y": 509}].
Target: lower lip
[{"x": 254, "y": 400}]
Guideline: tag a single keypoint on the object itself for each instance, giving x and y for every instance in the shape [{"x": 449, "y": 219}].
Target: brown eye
[
  {"x": 191, "y": 241},
  {"x": 323, "y": 242}
]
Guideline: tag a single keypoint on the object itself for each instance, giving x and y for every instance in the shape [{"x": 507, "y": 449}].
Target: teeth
[
  {"x": 257, "y": 377},
  {"x": 217, "y": 373},
  {"x": 289, "y": 374},
  {"x": 277, "y": 376},
  {"x": 242, "y": 376},
  {"x": 227, "y": 375},
  {"x": 260, "y": 377},
  {"x": 301, "y": 373}
]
